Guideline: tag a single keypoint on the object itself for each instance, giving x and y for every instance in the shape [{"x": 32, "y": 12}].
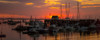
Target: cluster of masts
[{"x": 67, "y": 8}]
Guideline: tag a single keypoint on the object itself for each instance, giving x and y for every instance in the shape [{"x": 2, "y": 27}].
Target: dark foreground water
[{"x": 14, "y": 35}]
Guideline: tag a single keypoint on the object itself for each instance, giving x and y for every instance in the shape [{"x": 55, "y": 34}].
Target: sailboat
[{"x": 20, "y": 27}]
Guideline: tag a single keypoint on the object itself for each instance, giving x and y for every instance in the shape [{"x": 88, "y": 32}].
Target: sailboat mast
[
  {"x": 78, "y": 11},
  {"x": 69, "y": 10},
  {"x": 61, "y": 10},
  {"x": 67, "y": 7},
  {"x": 66, "y": 10},
  {"x": 31, "y": 19}
]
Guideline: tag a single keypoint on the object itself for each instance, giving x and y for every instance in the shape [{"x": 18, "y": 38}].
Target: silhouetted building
[{"x": 55, "y": 17}]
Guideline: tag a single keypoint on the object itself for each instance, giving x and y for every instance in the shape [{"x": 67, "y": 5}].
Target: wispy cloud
[
  {"x": 89, "y": 3},
  {"x": 89, "y": 6},
  {"x": 9, "y": 2},
  {"x": 29, "y": 3}
]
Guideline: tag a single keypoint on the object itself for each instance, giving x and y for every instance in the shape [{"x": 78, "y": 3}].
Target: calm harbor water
[{"x": 14, "y": 35}]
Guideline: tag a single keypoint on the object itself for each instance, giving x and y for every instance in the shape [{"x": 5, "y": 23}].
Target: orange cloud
[
  {"x": 51, "y": 2},
  {"x": 89, "y": 2},
  {"x": 54, "y": 7},
  {"x": 89, "y": 6},
  {"x": 63, "y": 4},
  {"x": 29, "y": 4},
  {"x": 85, "y": 3},
  {"x": 79, "y": 0}
]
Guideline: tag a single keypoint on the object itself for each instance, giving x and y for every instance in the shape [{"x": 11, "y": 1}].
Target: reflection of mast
[
  {"x": 78, "y": 9},
  {"x": 20, "y": 35},
  {"x": 1, "y": 34},
  {"x": 56, "y": 37}
]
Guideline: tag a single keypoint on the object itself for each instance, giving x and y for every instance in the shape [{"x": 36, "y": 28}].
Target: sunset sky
[{"x": 46, "y": 8}]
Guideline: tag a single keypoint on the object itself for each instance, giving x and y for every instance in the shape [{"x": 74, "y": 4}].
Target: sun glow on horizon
[{"x": 60, "y": 17}]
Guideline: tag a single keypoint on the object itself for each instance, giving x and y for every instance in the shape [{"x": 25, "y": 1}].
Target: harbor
[
  {"x": 50, "y": 29},
  {"x": 49, "y": 19}
]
